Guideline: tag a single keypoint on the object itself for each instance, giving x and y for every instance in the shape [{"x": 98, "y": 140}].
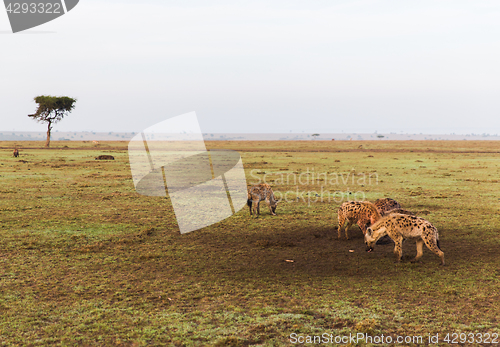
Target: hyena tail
[
  {"x": 437, "y": 241},
  {"x": 249, "y": 203}
]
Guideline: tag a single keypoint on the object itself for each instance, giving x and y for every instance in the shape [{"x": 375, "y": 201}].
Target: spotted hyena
[
  {"x": 258, "y": 193},
  {"x": 362, "y": 213},
  {"x": 400, "y": 227},
  {"x": 16, "y": 153},
  {"x": 386, "y": 204}
]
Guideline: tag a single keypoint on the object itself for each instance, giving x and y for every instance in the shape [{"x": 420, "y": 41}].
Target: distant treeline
[{"x": 120, "y": 136}]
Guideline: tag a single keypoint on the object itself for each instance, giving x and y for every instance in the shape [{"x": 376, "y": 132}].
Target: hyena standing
[
  {"x": 258, "y": 193},
  {"x": 16, "y": 153},
  {"x": 362, "y": 213},
  {"x": 400, "y": 227}
]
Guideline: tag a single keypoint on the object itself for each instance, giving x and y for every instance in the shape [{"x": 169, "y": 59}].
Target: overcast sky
[{"x": 261, "y": 66}]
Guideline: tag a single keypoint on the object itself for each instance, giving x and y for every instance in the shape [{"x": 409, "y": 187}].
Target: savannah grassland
[{"x": 86, "y": 261}]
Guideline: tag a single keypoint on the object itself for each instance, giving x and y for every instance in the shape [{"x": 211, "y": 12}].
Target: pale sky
[{"x": 261, "y": 66}]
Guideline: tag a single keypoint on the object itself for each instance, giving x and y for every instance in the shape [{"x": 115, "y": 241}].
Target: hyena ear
[{"x": 369, "y": 231}]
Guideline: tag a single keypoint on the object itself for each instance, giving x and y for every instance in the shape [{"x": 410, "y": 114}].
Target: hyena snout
[{"x": 369, "y": 246}]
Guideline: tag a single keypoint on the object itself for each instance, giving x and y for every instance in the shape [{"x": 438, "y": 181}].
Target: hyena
[
  {"x": 400, "y": 227},
  {"x": 258, "y": 193},
  {"x": 386, "y": 204},
  {"x": 362, "y": 213},
  {"x": 16, "y": 153}
]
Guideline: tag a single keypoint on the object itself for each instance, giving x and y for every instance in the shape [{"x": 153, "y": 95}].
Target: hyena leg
[
  {"x": 255, "y": 208},
  {"x": 349, "y": 224},
  {"x": 431, "y": 243},
  {"x": 420, "y": 251},
  {"x": 398, "y": 249},
  {"x": 341, "y": 223},
  {"x": 362, "y": 224}
]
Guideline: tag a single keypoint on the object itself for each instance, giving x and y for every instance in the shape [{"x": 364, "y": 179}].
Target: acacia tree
[{"x": 51, "y": 109}]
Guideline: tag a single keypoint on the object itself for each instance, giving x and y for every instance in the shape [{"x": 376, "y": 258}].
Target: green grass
[{"x": 85, "y": 260}]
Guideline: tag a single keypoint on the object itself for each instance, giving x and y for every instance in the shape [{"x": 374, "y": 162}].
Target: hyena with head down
[
  {"x": 362, "y": 213},
  {"x": 386, "y": 204},
  {"x": 258, "y": 193},
  {"x": 400, "y": 227}
]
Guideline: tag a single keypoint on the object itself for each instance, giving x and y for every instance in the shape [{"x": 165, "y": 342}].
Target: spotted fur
[
  {"x": 386, "y": 204},
  {"x": 400, "y": 227},
  {"x": 400, "y": 210},
  {"x": 362, "y": 213},
  {"x": 258, "y": 193}
]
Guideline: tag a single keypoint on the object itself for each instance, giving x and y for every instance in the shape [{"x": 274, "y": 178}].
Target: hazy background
[{"x": 261, "y": 66}]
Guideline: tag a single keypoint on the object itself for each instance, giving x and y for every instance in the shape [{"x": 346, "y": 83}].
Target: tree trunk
[{"x": 47, "y": 143}]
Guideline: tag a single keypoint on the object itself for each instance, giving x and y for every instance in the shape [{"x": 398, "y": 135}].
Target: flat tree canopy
[{"x": 51, "y": 109}]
